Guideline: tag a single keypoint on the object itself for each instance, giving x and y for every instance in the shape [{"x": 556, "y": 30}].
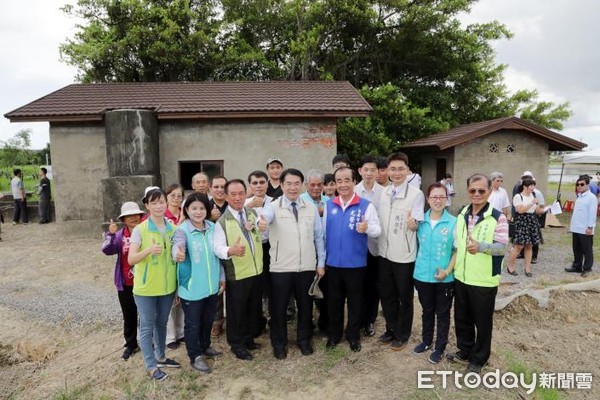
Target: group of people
[
  {"x": 269, "y": 238},
  {"x": 17, "y": 187}
]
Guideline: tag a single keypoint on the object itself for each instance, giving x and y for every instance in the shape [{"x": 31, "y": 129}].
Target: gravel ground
[{"x": 82, "y": 291}]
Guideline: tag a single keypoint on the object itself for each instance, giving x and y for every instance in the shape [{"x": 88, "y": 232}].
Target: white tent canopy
[{"x": 583, "y": 157}]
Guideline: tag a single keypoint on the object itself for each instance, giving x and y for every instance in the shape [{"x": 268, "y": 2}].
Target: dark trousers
[
  {"x": 284, "y": 284},
  {"x": 345, "y": 284},
  {"x": 371, "y": 290},
  {"x": 323, "y": 305},
  {"x": 220, "y": 311},
  {"x": 44, "y": 210},
  {"x": 582, "y": 251},
  {"x": 436, "y": 302},
  {"x": 20, "y": 212},
  {"x": 397, "y": 292},
  {"x": 474, "y": 320},
  {"x": 244, "y": 309},
  {"x": 130, "y": 316},
  {"x": 198, "y": 319},
  {"x": 265, "y": 277}
]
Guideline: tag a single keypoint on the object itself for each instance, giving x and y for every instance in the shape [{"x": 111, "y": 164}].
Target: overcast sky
[{"x": 554, "y": 50}]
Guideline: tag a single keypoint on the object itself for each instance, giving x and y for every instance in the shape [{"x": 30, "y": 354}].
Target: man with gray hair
[
  {"x": 200, "y": 183},
  {"x": 499, "y": 198},
  {"x": 314, "y": 189}
]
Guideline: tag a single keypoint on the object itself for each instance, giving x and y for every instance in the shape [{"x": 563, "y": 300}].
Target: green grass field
[{"x": 30, "y": 179}]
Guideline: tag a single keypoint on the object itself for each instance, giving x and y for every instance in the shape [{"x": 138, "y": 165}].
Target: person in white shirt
[
  {"x": 401, "y": 205},
  {"x": 527, "y": 228},
  {"x": 447, "y": 182},
  {"x": 499, "y": 197},
  {"x": 369, "y": 189},
  {"x": 18, "y": 192}
]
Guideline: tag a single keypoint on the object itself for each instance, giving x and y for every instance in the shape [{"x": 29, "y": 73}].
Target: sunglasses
[
  {"x": 480, "y": 191},
  {"x": 581, "y": 184}
]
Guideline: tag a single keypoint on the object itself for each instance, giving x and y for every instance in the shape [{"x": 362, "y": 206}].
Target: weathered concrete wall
[
  {"x": 245, "y": 146},
  {"x": 132, "y": 143},
  {"x": 119, "y": 189},
  {"x": 78, "y": 166},
  {"x": 530, "y": 153},
  {"x": 428, "y": 167}
]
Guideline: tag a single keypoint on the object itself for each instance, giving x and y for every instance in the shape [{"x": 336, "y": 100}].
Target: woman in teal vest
[
  {"x": 433, "y": 275},
  {"x": 200, "y": 278},
  {"x": 154, "y": 281}
]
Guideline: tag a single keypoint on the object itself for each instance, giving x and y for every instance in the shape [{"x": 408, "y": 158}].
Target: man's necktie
[
  {"x": 244, "y": 230},
  {"x": 295, "y": 210}
]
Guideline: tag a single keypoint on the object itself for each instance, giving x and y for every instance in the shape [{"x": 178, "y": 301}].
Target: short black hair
[
  {"x": 342, "y": 168},
  {"x": 234, "y": 181},
  {"x": 341, "y": 158},
  {"x": 291, "y": 171},
  {"x": 479, "y": 177},
  {"x": 154, "y": 195},
  {"x": 328, "y": 178},
  {"x": 217, "y": 177},
  {"x": 585, "y": 178},
  {"x": 17, "y": 171},
  {"x": 367, "y": 159},
  {"x": 398, "y": 156},
  {"x": 259, "y": 174},
  {"x": 381, "y": 162},
  {"x": 196, "y": 196},
  {"x": 44, "y": 170},
  {"x": 447, "y": 175}
]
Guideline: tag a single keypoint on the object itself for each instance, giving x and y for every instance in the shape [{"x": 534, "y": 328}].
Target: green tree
[
  {"x": 421, "y": 70},
  {"x": 16, "y": 150}
]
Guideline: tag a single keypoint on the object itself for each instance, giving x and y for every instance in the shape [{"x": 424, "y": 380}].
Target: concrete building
[
  {"x": 508, "y": 145},
  {"x": 110, "y": 141}
]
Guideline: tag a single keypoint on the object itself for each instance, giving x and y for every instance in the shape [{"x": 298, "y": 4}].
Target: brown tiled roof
[
  {"x": 178, "y": 100},
  {"x": 465, "y": 133}
]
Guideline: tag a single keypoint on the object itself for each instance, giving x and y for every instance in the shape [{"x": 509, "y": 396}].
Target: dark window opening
[{"x": 187, "y": 169}]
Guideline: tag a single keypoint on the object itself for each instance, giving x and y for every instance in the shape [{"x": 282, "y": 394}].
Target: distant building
[{"x": 508, "y": 145}]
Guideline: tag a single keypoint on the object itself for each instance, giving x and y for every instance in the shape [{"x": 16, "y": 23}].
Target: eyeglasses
[
  {"x": 175, "y": 196},
  {"x": 581, "y": 184},
  {"x": 479, "y": 191},
  {"x": 399, "y": 169},
  {"x": 437, "y": 198},
  {"x": 258, "y": 182}
]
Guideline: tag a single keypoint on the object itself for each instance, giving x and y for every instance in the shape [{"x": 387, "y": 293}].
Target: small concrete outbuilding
[
  {"x": 508, "y": 145},
  {"x": 110, "y": 141}
]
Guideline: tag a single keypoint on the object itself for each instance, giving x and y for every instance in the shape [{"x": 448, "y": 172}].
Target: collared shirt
[
  {"x": 584, "y": 213},
  {"x": 374, "y": 195},
  {"x": 499, "y": 199},
  {"x": 221, "y": 247},
  {"x": 318, "y": 228}
]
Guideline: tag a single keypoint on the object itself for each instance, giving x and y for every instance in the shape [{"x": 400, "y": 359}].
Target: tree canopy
[{"x": 416, "y": 64}]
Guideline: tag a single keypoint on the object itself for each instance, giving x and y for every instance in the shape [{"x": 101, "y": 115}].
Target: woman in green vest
[{"x": 154, "y": 281}]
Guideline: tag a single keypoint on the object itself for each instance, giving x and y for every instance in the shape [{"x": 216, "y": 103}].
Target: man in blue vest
[{"x": 348, "y": 220}]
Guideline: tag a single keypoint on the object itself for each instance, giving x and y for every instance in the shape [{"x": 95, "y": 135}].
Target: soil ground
[{"x": 60, "y": 337}]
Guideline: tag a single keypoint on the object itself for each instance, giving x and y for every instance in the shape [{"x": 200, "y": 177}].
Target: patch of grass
[
  {"x": 188, "y": 385},
  {"x": 334, "y": 356},
  {"x": 73, "y": 393},
  {"x": 36, "y": 352},
  {"x": 519, "y": 367}
]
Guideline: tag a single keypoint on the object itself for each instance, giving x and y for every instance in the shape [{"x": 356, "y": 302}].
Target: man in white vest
[
  {"x": 297, "y": 254},
  {"x": 401, "y": 204}
]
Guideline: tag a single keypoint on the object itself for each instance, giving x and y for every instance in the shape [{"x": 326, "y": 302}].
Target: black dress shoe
[
  {"x": 253, "y": 346},
  {"x": 306, "y": 349},
  {"x": 369, "y": 330},
  {"x": 330, "y": 345},
  {"x": 573, "y": 269},
  {"x": 243, "y": 355},
  {"x": 355, "y": 346},
  {"x": 280, "y": 354}
]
